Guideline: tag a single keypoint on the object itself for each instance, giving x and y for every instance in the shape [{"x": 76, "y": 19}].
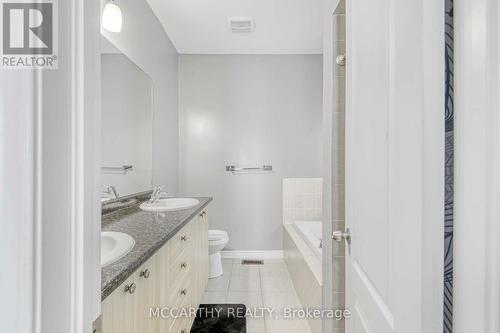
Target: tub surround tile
[
  {"x": 302, "y": 199},
  {"x": 296, "y": 249},
  {"x": 304, "y": 270},
  {"x": 150, "y": 231}
]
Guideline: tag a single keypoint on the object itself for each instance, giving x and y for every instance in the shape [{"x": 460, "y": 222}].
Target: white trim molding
[
  {"x": 49, "y": 171},
  {"x": 253, "y": 255},
  {"x": 477, "y": 167}
]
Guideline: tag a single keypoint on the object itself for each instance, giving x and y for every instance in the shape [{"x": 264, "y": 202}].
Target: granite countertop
[{"x": 150, "y": 231}]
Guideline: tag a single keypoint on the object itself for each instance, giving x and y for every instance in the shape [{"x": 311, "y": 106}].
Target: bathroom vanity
[
  {"x": 154, "y": 249},
  {"x": 167, "y": 268}
]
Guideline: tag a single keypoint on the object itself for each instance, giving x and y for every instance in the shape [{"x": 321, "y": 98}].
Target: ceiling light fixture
[{"x": 112, "y": 17}]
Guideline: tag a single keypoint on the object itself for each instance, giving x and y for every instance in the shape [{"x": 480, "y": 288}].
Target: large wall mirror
[{"x": 127, "y": 120}]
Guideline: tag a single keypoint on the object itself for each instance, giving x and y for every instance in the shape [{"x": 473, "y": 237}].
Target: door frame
[
  {"x": 432, "y": 251},
  {"x": 328, "y": 61},
  {"x": 477, "y": 163},
  {"x": 51, "y": 204}
]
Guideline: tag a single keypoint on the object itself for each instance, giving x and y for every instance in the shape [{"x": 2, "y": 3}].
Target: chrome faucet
[
  {"x": 111, "y": 190},
  {"x": 156, "y": 194}
]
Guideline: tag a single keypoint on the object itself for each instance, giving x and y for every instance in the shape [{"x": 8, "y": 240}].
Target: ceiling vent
[{"x": 241, "y": 24}]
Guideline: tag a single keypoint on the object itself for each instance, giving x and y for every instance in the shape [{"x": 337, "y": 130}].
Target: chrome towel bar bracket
[
  {"x": 234, "y": 169},
  {"x": 121, "y": 170}
]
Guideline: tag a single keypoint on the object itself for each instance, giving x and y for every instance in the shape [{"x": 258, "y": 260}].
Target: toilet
[{"x": 217, "y": 240}]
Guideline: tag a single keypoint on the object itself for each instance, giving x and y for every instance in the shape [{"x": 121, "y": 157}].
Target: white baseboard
[{"x": 264, "y": 255}]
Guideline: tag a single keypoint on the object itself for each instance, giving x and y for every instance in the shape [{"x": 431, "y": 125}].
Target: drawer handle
[
  {"x": 184, "y": 292},
  {"x": 184, "y": 238},
  {"x": 183, "y": 265},
  {"x": 145, "y": 273},
  {"x": 130, "y": 288}
]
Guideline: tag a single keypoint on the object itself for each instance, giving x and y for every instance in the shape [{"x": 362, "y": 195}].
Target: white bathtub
[{"x": 311, "y": 231}]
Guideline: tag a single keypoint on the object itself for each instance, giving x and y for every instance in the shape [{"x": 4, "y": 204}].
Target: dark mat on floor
[{"x": 220, "y": 318}]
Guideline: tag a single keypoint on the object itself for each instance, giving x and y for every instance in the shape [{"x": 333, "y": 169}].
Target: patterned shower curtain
[{"x": 448, "y": 192}]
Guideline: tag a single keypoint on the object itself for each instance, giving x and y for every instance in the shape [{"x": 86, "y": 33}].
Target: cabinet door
[
  {"x": 146, "y": 296},
  {"x": 203, "y": 251},
  {"x": 163, "y": 283},
  {"x": 197, "y": 269},
  {"x": 205, "y": 247},
  {"x": 118, "y": 312}
]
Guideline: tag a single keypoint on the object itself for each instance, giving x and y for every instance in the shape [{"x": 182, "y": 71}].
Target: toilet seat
[{"x": 217, "y": 235}]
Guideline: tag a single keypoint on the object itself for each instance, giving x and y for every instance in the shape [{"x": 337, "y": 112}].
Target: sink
[
  {"x": 170, "y": 204},
  {"x": 114, "y": 246}
]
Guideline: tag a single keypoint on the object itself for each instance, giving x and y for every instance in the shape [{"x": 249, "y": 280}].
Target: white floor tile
[
  {"x": 256, "y": 325},
  {"x": 273, "y": 261},
  {"x": 277, "y": 283},
  {"x": 220, "y": 283},
  {"x": 279, "y": 300},
  {"x": 276, "y": 270},
  {"x": 214, "y": 297},
  {"x": 246, "y": 270},
  {"x": 244, "y": 283},
  {"x": 252, "y": 299},
  {"x": 227, "y": 268},
  {"x": 286, "y": 325}
]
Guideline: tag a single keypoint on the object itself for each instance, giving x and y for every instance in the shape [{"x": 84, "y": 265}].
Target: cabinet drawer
[
  {"x": 181, "y": 325},
  {"x": 180, "y": 241},
  {"x": 182, "y": 293},
  {"x": 181, "y": 267}
]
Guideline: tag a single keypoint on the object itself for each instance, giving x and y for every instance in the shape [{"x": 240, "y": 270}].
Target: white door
[{"x": 387, "y": 163}]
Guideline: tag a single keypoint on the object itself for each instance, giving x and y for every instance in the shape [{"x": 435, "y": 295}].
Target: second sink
[
  {"x": 114, "y": 246},
  {"x": 170, "y": 204}
]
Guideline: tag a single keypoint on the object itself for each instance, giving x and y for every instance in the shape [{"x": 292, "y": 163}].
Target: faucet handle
[
  {"x": 110, "y": 189},
  {"x": 156, "y": 194}
]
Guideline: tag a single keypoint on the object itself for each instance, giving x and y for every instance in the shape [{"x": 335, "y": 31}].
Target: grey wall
[
  {"x": 145, "y": 42},
  {"x": 248, "y": 110}
]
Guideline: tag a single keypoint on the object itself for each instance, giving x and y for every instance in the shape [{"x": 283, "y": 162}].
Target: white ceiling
[{"x": 281, "y": 26}]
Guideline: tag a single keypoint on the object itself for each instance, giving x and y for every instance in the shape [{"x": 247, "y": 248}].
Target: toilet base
[{"x": 215, "y": 266}]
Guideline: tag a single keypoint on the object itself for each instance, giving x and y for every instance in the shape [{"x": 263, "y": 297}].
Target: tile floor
[{"x": 257, "y": 286}]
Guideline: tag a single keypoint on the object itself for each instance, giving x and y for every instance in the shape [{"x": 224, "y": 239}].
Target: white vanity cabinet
[{"x": 174, "y": 277}]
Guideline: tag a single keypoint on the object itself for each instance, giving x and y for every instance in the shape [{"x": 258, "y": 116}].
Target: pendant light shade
[{"x": 112, "y": 17}]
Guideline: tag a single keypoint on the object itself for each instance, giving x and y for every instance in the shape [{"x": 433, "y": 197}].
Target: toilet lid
[{"x": 216, "y": 235}]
